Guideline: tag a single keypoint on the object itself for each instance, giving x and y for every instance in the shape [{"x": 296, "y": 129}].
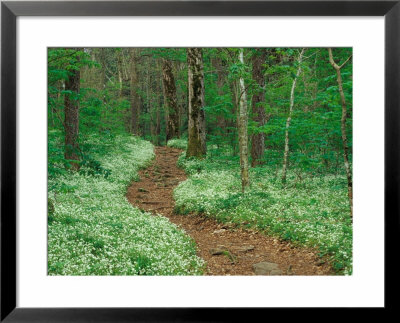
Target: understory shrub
[{"x": 177, "y": 143}]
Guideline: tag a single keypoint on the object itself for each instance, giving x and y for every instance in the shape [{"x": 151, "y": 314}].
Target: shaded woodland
[{"x": 279, "y": 120}]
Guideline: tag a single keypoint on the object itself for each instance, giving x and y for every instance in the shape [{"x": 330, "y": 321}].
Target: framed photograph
[{"x": 197, "y": 160}]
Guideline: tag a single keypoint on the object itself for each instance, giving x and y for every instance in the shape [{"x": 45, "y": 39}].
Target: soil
[{"x": 227, "y": 249}]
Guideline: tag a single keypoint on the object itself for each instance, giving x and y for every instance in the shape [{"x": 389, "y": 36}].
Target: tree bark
[
  {"x": 120, "y": 77},
  {"x": 233, "y": 124},
  {"x": 158, "y": 122},
  {"x": 221, "y": 79},
  {"x": 343, "y": 128},
  {"x": 289, "y": 119},
  {"x": 71, "y": 118},
  {"x": 242, "y": 130},
  {"x": 259, "y": 115},
  {"x": 170, "y": 100},
  {"x": 159, "y": 89},
  {"x": 149, "y": 96},
  {"x": 196, "y": 123},
  {"x": 135, "y": 101},
  {"x": 102, "y": 59}
]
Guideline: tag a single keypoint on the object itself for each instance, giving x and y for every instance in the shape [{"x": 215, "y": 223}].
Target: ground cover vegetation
[{"x": 266, "y": 135}]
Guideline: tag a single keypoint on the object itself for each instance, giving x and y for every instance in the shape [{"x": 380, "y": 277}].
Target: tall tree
[
  {"x": 135, "y": 100},
  {"x": 170, "y": 100},
  {"x": 196, "y": 122},
  {"x": 258, "y": 100},
  {"x": 242, "y": 129},
  {"x": 120, "y": 71},
  {"x": 159, "y": 105},
  {"x": 221, "y": 71},
  {"x": 71, "y": 113},
  {"x": 286, "y": 152},
  {"x": 343, "y": 127},
  {"x": 101, "y": 84}
]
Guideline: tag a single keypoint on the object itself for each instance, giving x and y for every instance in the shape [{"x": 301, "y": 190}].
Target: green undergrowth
[
  {"x": 92, "y": 228},
  {"x": 313, "y": 211},
  {"x": 177, "y": 143}
]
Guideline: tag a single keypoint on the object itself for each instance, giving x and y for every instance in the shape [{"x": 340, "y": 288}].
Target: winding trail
[{"x": 227, "y": 249}]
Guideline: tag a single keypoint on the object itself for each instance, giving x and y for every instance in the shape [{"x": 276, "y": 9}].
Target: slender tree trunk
[
  {"x": 159, "y": 105},
  {"x": 315, "y": 94},
  {"x": 158, "y": 122},
  {"x": 171, "y": 104},
  {"x": 289, "y": 119},
  {"x": 242, "y": 129},
  {"x": 135, "y": 102},
  {"x": 125, "y": 64},
  {"x": 233, "y": 124},
  {"x": 120, "y": 77},
  {"x": 71, "y": 118},
  {"x": 101, "y": 85},
  {"x": 221, "y": 79},
  {"x": 196, "y": 123},
  {"x": 258, "y": 99},
  {"x": 102, "y": 59},
  {"x": 181, "y": 96},
  {"x": 343, "y": 128}
]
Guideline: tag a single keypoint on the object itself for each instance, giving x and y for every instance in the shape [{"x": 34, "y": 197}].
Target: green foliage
[
  {"x": 91, "y": 224},
  {"x": 177, "y": 143},
  {"x": 90, "y": 166}
]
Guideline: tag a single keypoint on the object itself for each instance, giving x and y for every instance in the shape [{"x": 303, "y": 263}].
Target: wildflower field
[
  {"x": 200, "y": 161},
  {"x": 311, "y": 212},
  {"x": 93, "y": 230}
]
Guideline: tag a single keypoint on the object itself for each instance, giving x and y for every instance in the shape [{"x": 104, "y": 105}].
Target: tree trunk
[
  {"x": 71, "y": 118},
  {"x": 343, "y": 128},
  {"x": 102, "y": 59},
  {"x": 233, "y": 124},
  {"x": 135, "y": 102},
  {"x": 221, "y": 79},
  {"x": 171, "y": 104},
  {"x": 120, "y": 77},
  {"x": 289, "y": 119},
  {"x": 242, "y": 130},
  {"x": 259, "y": 116},
  {"x": 101, "y": 85},
  {"x": 158, "y": 122},
  {"x": 196, "y": 123}
]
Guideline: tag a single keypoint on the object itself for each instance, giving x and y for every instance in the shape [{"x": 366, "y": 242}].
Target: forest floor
[{"x": 227, "y": 249}]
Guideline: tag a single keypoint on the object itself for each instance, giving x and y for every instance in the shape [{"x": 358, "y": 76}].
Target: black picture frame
[{"x": 11, "y": 10}]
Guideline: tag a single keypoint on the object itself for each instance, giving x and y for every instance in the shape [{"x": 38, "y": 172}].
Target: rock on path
[{"x": 267, "y": 268}]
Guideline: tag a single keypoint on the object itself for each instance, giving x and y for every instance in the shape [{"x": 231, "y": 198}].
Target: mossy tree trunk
[
  {"x": 170, "y": 101},
  {"x": 258, "y": 100},
  {"x": 242, "y": 130},
  {"x": 158, "y": 117},
  {"x": 135, "y": 100},
  {"x": 343, "y": 128},
  {"x": 196, "y": 122},
  {"x": 71, "y": 116}
]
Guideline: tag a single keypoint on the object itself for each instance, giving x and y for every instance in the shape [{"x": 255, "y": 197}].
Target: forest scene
[{"x": 200, "y": 161}]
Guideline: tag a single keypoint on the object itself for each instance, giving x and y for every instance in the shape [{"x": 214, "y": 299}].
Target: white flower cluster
[
  {"x": 93, "y": 229},
  {"x": 177, "y": 143},
  {"x": 312, "y": 212}
]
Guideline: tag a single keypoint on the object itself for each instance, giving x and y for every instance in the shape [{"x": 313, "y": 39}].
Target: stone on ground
[{"x": 266, "y": 268}]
